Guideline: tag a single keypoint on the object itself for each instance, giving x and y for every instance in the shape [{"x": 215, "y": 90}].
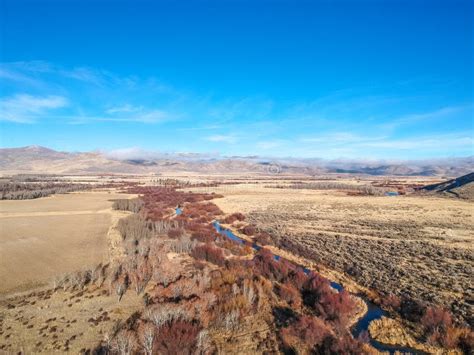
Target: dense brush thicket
[{"x": 132, "y": 205}]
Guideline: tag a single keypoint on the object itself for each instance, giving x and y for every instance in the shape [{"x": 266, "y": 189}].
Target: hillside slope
[{"x": 462, "y": 187}]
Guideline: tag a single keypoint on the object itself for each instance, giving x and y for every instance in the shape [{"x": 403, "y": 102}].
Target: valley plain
[{"x": 98, "y": 272}]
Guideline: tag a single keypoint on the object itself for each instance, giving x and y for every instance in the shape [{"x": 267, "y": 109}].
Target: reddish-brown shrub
[
  {"x": 209, "y": 253},
  {"x": 175, "y": 232},
  {"x": 234, "y": 217},
  {"x": 436, "y": 319},
  {"x": 314, "y": 288},
  {"x": 178, "y": 337},
  {"x": 234, "y": 248},
  {"x": 336, "y": 306},
  {"x": 298, "y": 278},
  {"x": 392, "y": 302},
  {"x": 466, "y": 341},
  {"x": 438, "y": 325},
  {"x": 311, "y": 331},
  {"x": 451, "y": 337},
  {"x": 290, "y": 294},
  {"x": 262, "y": 238},
  {"x": 340, "y": 345},
  {"x": 203, "y": 236},
  {"x": 249, "y": 230},
  {"x": 265, "y": 264},
  {"x": 160, "y": 201},
  {"x": 201, "y": 212}
]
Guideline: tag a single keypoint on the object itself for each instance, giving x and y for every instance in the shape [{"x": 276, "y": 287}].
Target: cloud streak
[
  {"x": 23, "y": 108},
  {"x": 222, "y": 138}
]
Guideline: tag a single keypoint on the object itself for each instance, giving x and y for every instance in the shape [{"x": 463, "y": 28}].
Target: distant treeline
[
  {"x": 175, "y": 183},
  {"x": 331, "y": 185},
  {"x": 35, "y": 178},
  {"x": 31, "y": 190}
]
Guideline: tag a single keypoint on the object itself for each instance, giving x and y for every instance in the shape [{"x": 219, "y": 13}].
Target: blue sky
[{"x": 330, "y": 79}]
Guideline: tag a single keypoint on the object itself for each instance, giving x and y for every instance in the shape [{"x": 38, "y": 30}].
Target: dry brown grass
[
  {"x": 42, "y": 238},
  {"x": 417, "y": 246},
  {"x": 62, "y": 321}
]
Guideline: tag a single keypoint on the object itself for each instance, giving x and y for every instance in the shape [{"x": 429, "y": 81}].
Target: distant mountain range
[{"x": 38, "y": 160}]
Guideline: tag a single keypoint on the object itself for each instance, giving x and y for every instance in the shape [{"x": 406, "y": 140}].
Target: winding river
[{"x": 373, "y": 311}]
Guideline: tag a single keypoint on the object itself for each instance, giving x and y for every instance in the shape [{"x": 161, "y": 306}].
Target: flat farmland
[
  {"x": 47, "y": 237},
  {"x": 416, "y": 246}
]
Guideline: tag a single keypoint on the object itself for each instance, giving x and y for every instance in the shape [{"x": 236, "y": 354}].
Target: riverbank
[{"x": 366, "y": 313}]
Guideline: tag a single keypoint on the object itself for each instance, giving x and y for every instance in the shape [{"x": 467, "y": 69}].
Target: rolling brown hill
[
  {"x": 462, "y": 187},
  {"x": 37, "y": 159}
]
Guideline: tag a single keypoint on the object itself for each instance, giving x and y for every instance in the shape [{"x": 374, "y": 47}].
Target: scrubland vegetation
[
  {"x": 200, "y": 291},
  {"x": 395, "y": 260},
  {"x": 188, "y": 289},
  {"x": 414, "y": 252}
]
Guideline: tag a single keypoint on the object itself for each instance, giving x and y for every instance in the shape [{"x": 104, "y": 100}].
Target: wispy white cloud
[
  {"x": 222, "y": 138},
  {"x": 136, "y": 153},
  {"x": 23, "y": 108},
  {"x": 211, "y": 127},
  {"x": 83, "y": 74},
  {"x": 124, "y": 108},
  {"x": 26, "y": 80},
  {"x": 336, "y": 138},
  {"x": 131, "y": 113},
  {"x": 438, "y": 141},
  {"x": 425, "y": 117},
  {"x": 152, "y": 116},
  {"x": 270, "y": 144},
  {"x": 147, "y": 116},
  {"x": 344, "y": 144}
]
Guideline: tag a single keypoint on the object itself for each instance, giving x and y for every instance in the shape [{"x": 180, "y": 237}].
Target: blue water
[
  {"x": 336, "y": 286},
  {"x": 373, "y": 311},
  {"x": 178, "y": 210},
  {"x": 227, "y": 233}
]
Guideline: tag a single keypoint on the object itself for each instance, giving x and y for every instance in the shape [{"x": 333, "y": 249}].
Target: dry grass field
[
  {"x": 62, "y": 321},
  {"x": 46, "y": 237},
  {"x": 417, "y": 246}
]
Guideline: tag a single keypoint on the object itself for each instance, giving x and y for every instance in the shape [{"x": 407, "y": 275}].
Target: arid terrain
[
  {"x": 51, "y": 236},
  {"x": 136, "y": 275},
  {"x": 420, "y": 246}
]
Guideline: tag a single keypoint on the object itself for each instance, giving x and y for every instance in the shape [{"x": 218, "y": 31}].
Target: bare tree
[
  {"x": 133, "y": 205},
  {"x": 148, "y": 338},
  {"x": 183, "y": 245},
  {"x": 124, "y": 342},
  {"x": 121, "y": 287},
  {"x": 161, "y": 315}
]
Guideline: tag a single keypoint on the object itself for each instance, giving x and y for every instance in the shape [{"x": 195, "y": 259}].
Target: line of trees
[{"x": 30, "y": 190}]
